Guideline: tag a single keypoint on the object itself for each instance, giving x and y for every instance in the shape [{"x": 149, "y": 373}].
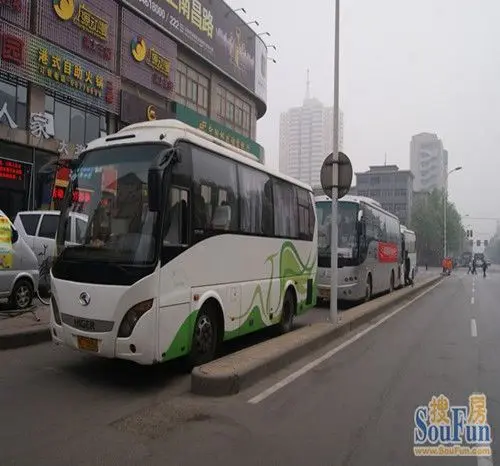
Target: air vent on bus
[{"x": 118, "y": 138}]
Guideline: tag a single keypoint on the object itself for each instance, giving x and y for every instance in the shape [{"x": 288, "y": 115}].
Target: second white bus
[{"x": 369, "y": 248}]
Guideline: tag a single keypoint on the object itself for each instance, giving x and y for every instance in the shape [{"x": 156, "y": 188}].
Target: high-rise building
[
  {"x": 428, "y": 162},
  {"x": 392, "y": 187},
  {"x": 306, "y": 138}
]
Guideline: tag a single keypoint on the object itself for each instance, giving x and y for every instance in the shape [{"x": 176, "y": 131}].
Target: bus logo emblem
[{"x": 84, "y": 298}]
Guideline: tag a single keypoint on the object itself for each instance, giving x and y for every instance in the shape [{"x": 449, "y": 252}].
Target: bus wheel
[
  {"x": 391, "y": 282},
  {"x": 287, "y": 313},
  {"x": 205, "y": 337},
  {"x": 369, "y": 289}
]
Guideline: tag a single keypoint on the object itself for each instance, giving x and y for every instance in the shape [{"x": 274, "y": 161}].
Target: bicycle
[{"x": 44, "y": 279}]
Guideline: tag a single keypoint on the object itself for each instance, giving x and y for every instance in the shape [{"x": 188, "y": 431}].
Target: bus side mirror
[{"x": 154, "y": 189}]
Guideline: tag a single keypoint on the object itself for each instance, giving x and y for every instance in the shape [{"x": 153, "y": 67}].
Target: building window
[
  {"x": 234, "y": 112},
  {"x": 74, "y": 122},
  {"x": 191, "y": 88},
  {"x": 15, "y": 95}
]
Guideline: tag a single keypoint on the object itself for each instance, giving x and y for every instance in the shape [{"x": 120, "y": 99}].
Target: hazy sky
[{"x": 407, "y": 66}]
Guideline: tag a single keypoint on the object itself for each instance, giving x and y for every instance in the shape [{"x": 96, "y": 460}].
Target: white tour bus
[
  {"x": 369, "y": 248},
  {"x": 189, "y": 242},
  {"x": 409, "y": 247}
]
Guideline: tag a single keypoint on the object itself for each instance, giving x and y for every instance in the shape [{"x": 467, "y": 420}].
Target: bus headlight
[{"x": 132, "y": 317}]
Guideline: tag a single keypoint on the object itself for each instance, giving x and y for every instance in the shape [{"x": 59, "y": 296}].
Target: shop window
[
  {"x": 73, "y": 122},
  {"x": 16, "y": 97},
  {"x": 191, "y": 88},
  {"x": 215, "y": 191},
  {"x": 234, "y": 112}
]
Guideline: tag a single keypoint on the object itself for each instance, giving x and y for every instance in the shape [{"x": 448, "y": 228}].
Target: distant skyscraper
[
  {"x": 306, "y": 138},
  {"x": 428, "y": 162}
]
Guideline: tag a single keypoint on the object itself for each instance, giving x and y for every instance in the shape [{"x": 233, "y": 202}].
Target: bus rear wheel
[
  {"x": 205, "y": 337},
  {"x": 287, "y": 313},
  {"x": 391, "y": 282}
]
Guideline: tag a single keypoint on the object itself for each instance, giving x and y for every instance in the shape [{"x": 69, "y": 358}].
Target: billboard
[
  {"x": 260, "y": 69},
  {"x": 148, "y": 58},
  {"x": 17, "y": 12},
  {"x": 85, "y": 27},
  {"x": 55, "y": 68},
  {"x": 209, "y": 28}
]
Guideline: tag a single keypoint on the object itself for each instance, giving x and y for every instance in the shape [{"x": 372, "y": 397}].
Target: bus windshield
[
  {"x": 109, "y": 187},
  {"x": 347, "y": 230}
]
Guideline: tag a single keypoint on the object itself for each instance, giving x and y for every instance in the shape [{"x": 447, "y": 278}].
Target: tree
[{"x": 427, "y": 222}]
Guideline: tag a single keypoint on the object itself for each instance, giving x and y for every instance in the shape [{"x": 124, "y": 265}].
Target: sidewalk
[{"x": 22, "y": 329}]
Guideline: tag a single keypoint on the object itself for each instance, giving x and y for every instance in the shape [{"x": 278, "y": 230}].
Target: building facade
[
  {"x": 306, "y": 138},
  {"x": 392, "y": 187},
  {"x": 428, "y": 162},
  {"x": 72, "y": 71}
]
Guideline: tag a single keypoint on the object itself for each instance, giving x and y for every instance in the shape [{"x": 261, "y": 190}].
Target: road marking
[
  {"x": 303, "y": 370},
  {"x": 484, "y": 461},
  {"x": 472, "y": 300},
  {"x": 473, "y": 328}
]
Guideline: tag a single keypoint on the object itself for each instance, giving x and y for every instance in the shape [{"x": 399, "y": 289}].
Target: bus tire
[
  {"x": 206, "y": 336},
  {"x": 391, "y": 282},
  {"x": 368, "y": 288},
  {"x": 288, "y": 312}
]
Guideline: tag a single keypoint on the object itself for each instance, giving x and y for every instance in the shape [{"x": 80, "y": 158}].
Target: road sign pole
[{"x": 335, "y": 174}]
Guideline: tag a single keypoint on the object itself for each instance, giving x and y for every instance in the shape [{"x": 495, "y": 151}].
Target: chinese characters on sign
[
  {"x": 223, "y": 135},
  {"x": 196, "y": 14},
  {"x": 5, "y": 113},
  {"x": 74, "y": 75},
  {"x": 91, "y": 23},
  {"x": 12, "y": 49},
  {"x": 11, "y": 170},
  {"x": 42, "y": 125},
  {"x": 15, "y": 5},
  {"x": 78, "y": 195}
]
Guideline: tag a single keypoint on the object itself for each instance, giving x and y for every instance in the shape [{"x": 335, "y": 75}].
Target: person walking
[
  {"x": 473, "y": 266},
  {"x": 485, "y": 266}
]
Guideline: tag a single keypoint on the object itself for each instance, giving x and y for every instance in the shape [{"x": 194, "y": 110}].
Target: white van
[
  {"x": 18, "y": 266},
  {"x": 39, "y": 227}
]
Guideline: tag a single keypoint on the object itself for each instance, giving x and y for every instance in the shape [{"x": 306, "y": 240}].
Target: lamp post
[
  {"x": 445, "y": 208},
  {"x": 335, "y": 174}
]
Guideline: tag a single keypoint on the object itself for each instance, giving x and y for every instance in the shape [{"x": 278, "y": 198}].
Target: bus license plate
[{"x": 88, "y": 344}]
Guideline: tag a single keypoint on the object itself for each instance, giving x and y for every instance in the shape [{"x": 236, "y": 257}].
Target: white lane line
[
  {"x": 473, "y": 328},
  {"x": 484, "y": 461},
  {"x": 472, "y": 300},
  {"x": 303, "y": 370}
]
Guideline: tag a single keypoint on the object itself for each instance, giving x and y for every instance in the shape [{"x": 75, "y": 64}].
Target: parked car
[{"x": 19, "y": 274}]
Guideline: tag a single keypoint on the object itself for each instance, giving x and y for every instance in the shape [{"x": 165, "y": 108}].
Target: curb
[
  {"x": 233, "y": 373},
  {"x": 29, "y": 337}
]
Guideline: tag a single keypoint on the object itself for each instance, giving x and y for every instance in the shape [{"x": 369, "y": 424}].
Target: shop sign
[
  {"x": 42, "y": 125},
  {"x": 16, "y": 12},
  {"x": 135, "y": 110},
  {"x": 69, "y": 151},
  {"x": 219, "y": 131},
  {"x": 148, "y": 57},
  {"x": 4, "y": 114},
  {"x": 12, "y": 49},
  {"x": 87, "y": 28},
  {"x": 211, "y": 29},
  {"x": 68, "y": 74}
]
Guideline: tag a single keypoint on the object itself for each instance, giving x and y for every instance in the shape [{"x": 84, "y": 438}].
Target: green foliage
[{"x": 427, "y": 222}]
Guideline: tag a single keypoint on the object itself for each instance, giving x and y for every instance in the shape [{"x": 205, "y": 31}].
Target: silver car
[{"x": 19, "y": 274}]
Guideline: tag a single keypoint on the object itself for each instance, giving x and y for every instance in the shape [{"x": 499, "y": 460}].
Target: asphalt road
[{"x": 356, "y": 408}]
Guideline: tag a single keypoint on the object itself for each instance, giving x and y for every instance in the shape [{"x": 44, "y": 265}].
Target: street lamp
[{"x": 445, "y": 208}]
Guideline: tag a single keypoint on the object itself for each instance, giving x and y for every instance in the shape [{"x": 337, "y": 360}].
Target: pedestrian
[
  {"x": 485, "y": 266},
  {"x": 470, "y": 268},
  {"x": 426, "y": 268},
  {"x": 473, "y": 266}
]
